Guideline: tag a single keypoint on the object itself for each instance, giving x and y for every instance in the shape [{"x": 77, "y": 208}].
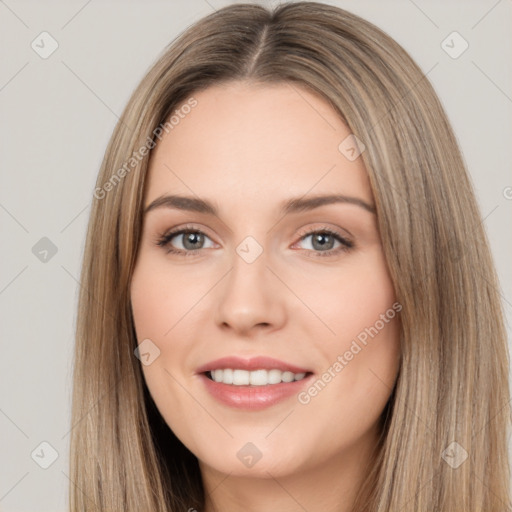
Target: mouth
[{"x": 252, "y": 384}]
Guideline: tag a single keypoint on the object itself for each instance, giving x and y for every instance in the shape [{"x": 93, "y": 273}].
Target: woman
[{"x": 288, "y": 300}]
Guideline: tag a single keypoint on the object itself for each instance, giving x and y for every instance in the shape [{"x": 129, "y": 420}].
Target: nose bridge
[
  {"x": 248, "y": 297},
  {"x": 249, "y": 268}
]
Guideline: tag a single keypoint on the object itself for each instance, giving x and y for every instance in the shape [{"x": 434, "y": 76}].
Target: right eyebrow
[{"x": 188, "y": 203}]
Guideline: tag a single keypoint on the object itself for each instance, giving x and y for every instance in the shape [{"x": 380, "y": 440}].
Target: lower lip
[{"x": 253, "y": 398}]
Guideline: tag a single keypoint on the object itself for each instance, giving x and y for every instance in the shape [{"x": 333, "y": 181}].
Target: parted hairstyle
[{"x": 452, "y": 384}]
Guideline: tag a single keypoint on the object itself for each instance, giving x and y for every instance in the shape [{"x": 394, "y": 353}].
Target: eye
[
  {"x": 323, "y": 242},
  {"x": 188, "y": 241}
]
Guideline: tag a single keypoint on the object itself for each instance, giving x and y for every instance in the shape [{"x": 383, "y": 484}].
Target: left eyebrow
[
  {"x": 310, "y": 203},
  {"x": 294, "y": 205}
]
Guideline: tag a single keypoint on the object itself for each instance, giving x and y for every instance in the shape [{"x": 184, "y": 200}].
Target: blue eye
[
  {"x": 325, "y": 239},
  {"x": 323, "y": 242},
  {"x": 192, "y": 240}
]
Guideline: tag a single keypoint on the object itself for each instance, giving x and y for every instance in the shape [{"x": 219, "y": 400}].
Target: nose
[{"x": 250, "y": 299}]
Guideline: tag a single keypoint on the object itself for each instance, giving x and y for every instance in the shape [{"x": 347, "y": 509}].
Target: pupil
[
  {"x": 320, "y": 239},
  {"x": 192, "y": 238}
]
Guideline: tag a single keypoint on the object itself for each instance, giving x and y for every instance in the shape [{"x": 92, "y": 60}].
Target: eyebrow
[{"x": 294, "y": 205}]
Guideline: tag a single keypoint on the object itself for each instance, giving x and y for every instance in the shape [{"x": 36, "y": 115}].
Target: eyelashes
[
  {"x": 165, "y": 240},
  {"x": 320, "y": 234},
  {"x": 194, "y": 235}
]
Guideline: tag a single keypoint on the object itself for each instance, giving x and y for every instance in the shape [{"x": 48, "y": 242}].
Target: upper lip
[{"x": 252, "y": 363}]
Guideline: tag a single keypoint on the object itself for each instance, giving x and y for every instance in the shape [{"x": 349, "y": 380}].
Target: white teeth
[
  {"x": 274, "y": 376},
  {"x": 226, "y": 376},
  {"x": 254, "y": 378},
  {"x": 258, "y": 377},
  {"x": 287, "y": 377},
  {"x": 240, "y": 377}
]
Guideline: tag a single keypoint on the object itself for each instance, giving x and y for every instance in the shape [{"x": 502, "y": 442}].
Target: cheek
[
  {"x": 161, "y": 299},
  {"x": 350, "y": 299},
  {"x": 361, "y": 351},
  {"x": 164, "y": 303}
]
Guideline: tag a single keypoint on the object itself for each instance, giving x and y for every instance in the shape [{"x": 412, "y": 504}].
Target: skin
[{"x": 247, "y": 148}]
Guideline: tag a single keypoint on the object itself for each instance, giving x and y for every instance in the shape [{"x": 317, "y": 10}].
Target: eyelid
[{"x": 328, "y": 229}]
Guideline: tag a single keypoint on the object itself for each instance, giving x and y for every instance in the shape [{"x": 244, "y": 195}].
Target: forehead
[{"x": 256, "y": 143}]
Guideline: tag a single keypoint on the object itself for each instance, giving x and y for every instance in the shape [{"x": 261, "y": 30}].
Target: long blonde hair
[{"x": 452, "y": 385}]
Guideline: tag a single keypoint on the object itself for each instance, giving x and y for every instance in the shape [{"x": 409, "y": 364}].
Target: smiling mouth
[{"x": 261, "y": 377}]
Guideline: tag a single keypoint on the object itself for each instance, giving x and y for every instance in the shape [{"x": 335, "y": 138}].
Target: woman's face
[{"x": 286, "y": 285}]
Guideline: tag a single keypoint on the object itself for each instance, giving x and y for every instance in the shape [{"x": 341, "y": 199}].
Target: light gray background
[{"x": 57, "y": 115}]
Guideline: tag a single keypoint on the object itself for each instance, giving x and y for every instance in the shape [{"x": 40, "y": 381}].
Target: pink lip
[
  {"x": 254, "y": 363},
  {"x": 253, "y": 398},
  {"x": 249, "y": 397}
]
